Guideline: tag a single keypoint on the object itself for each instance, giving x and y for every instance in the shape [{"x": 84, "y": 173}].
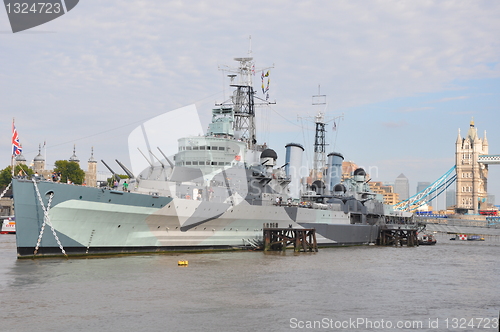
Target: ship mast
[
  {"x": 242, "y": 100},
  {"x": 244, "y": 107},
  {"x": 319, "y": 161},
  {"x": 319, "y": 145}
]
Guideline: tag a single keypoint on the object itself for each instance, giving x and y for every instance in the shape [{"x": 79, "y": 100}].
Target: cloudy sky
[{"x": 405, "y": 76}]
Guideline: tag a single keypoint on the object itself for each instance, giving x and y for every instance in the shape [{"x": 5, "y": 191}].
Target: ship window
[
  {"x": 214, "y": 163},
  {"x": 195, "y": 148},
  {"x": 227, "y": 163},
  {"x": 214, "y": 148},
  {"x": 188, "y": 148},
  {"x": 195, "y": 163},
  {"x": 202, "y": 147},
  {"x": 221, "y": 163},
  {"x": 208, "y": 147},
  {"x": 188, "y": 163},
  {"x": 221, "y": 148}
]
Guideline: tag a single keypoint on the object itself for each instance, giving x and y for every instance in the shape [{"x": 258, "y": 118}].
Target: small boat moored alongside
[
  {"x": 426, "y": 239},
  {"x": 8, "y": 225}
]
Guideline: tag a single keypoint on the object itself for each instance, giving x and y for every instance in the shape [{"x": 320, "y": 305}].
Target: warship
[{"x": 217, "y": 191}]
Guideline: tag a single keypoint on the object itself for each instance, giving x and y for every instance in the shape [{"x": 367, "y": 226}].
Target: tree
[
  {"x": 6, "y": 174},
  {"x": 69, "y": 170}
]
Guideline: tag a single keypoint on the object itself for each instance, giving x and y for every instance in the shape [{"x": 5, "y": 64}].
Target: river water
[{"x": 452, "y": 286}]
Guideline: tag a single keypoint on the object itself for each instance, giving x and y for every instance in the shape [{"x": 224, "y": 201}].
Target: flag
[{"x": 16, "y": 146}]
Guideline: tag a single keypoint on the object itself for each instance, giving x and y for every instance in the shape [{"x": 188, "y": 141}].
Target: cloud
[
  {"x": 112, "y": 63},
  {"x": 443, "y": 100}
]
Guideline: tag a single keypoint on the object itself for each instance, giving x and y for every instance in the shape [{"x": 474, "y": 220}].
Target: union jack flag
[{"x": 16, "y": 146}]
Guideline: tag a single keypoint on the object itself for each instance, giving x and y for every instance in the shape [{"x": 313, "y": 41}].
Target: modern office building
[{"x": 402, "y": 187}]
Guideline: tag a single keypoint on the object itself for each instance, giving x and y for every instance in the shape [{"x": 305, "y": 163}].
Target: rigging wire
[{"x": 126, "y": 125}]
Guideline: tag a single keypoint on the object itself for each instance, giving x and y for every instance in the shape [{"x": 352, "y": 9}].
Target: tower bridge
[{"x": 470, "y": 173}]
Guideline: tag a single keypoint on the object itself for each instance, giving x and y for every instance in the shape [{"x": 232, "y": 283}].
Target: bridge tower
[{"x": 472, "y": 175}]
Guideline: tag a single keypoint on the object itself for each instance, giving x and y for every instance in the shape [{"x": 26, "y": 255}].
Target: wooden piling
[
  {"x": 278, "y": 239},
  {"x": 398, "y": 236}
]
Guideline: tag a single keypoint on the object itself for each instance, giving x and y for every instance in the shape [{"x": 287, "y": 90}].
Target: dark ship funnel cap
[
  {"x": 359, "y": 171},
  {"x": 295, "y": 144},
  {"x": 339, "y": 188},
  {"x": 269, "y": 153},
  {"x": 337, "y": 154}
]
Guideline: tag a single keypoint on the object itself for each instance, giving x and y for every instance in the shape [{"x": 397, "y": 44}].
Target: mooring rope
[
  {"x": 7, "y": 188},
  {"x": 46, "y": 220}
]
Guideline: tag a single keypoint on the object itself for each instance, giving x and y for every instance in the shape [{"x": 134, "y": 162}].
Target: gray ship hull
[{"x": 90, "y": 221}]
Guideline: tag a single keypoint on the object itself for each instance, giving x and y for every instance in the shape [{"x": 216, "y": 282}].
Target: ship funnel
[
  {"x": 334, "y": 170},
  {"x": 293, "y": 160}
]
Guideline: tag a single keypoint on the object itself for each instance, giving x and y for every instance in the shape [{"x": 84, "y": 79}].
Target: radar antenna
[
  {"x": 319, "y": 161},
  {"x": 243, "y": 100}
]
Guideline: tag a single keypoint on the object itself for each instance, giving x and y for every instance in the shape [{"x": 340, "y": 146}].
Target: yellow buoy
[{"x": 182, "y": 263}]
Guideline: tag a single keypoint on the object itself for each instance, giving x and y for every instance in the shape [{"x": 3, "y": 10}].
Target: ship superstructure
[{"x": 217, "y": 191}]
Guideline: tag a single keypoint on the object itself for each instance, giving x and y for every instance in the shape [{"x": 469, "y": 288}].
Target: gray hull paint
[
  {"x": 346, "y": 234},
  {"x": 100, "y": 221}
]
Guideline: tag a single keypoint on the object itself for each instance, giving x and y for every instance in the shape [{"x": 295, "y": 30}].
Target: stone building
[
  {"x": 471, "y": 183},
  {"x": 91, "y": 173},
  {"x": 39, "y": 165}
]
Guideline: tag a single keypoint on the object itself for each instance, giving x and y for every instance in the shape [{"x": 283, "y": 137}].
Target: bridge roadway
[{"x": 489, "y": 159}]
